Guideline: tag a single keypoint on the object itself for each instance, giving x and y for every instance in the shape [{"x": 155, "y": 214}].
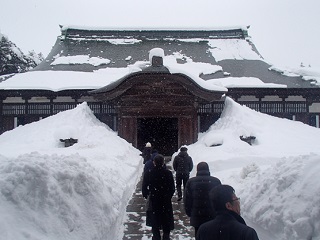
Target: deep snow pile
[
  {"x": 276, "y": 178},
  {"x": 284, "y": 199},
  {"x": 80, "y": 192},
  {"x": 51, "y": 192}
]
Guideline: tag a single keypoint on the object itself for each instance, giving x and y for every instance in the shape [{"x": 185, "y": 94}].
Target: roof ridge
[{"x": 87, "y": 33}]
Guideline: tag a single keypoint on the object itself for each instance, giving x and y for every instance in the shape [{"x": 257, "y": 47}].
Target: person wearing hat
[
  {"x": 183, "y": 165},
  {"x": 146, "y": 153},
  {"x": 196, "y": 196}
]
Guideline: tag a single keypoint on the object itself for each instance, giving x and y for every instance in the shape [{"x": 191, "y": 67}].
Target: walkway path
[{"x": 136, "y": 229}]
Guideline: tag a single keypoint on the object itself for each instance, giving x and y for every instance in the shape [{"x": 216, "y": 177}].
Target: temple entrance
[{"x": 162, "y": 133}]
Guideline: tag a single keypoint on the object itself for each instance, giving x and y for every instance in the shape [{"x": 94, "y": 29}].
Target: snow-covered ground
[{"x": 80, "y": 192}]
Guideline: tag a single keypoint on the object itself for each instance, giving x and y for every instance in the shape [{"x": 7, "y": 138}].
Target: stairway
[{"x": 135, "y": 226}]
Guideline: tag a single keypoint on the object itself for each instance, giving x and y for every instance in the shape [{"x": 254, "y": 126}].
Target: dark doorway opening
[{"x": 162, "y": 133}]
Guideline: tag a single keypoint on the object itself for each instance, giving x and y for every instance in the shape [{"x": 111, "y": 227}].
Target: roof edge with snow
[{"x": 169, "y": 32}]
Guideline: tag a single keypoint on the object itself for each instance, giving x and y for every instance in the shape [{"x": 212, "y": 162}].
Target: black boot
[{"x": 166, "y": 236}]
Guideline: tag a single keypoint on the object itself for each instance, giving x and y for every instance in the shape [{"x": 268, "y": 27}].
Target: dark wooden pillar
[
  {"x": 26, "y": 103},
  {"x": 51, "y": 106},
  {"x": 188, "y": 129},
  {"x": 1, "y": 116},
  {"x": 127, "y": 129}
]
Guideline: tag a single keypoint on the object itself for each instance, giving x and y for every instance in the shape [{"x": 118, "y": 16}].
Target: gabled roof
[
  {"x": 159, "y": 74},
  {"x": 217, "y": 53},
  {"x": 118, "y": 88},
  {"x": 125, "y": 47},
  {"x": 230, "y": 48}
]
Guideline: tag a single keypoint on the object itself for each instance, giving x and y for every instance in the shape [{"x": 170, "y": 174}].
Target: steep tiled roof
[{"x": 231, "y": 49}]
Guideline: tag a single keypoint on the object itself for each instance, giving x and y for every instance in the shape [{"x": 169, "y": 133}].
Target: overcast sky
[{"x": 286, "y": 32}]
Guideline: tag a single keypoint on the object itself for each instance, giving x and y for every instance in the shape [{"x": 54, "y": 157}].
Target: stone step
[{"x": 135, "y": 223}]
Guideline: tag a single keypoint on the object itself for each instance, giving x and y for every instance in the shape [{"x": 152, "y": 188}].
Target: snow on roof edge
[{"x": 146, "y": 28}]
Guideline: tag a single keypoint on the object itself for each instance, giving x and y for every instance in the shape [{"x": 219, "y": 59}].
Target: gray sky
[{"x": 286, "y": 32}]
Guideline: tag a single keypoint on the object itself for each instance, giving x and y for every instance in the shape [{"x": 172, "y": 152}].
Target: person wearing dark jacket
[
  {"x": 183, "y": 165},
  {"x": 158, "y": 187},
  {"x": 147, "y": 152},
  {"x": 149, "y": 165},
  {"x": 228, "y": 224},
  {"x": 196, "y": 199}
]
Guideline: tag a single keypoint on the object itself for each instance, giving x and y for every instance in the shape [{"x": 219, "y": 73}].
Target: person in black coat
[
  {"x": 228, "y": 224},
  {"x": 158, "y": 187},
  {"x": 183, "y": 165},
  {"x": 197, "y": 204},
  {"x": 147, "y": 152},
  {"x": 149, "y": 165}
]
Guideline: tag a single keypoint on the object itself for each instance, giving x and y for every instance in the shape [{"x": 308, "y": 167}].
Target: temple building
[{"x": 162, "y": 86}]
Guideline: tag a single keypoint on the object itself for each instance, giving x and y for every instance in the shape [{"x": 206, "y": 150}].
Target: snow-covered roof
[
  {"x": 158, "y": 28},
  {"x": 90, "y": 58}
]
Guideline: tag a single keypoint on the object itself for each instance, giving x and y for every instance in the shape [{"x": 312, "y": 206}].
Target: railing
[
  {"x": 271, "y": 107},
  {"x": 252, "y": 105},
  {"x": 277, "y": 107},
  {"x": 47, "y": 109},
  {"x": 296, "y": 107},
  {"x": 39, "y": 109},
  {"x": 59, "y": 107},
  {"x": 265, "y": 107},
  {"x": 15, "y": 109},
  {"x": 211, "y": 108},
  {"x": 102, "y": 108}
]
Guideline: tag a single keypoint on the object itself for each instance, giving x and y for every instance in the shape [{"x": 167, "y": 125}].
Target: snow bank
[
  {"x": 276, "y": 178},
  {"x": 284, "y": 198},
  {"x": 48, "y": 191},
  {"x": 274, "y": 136}
]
